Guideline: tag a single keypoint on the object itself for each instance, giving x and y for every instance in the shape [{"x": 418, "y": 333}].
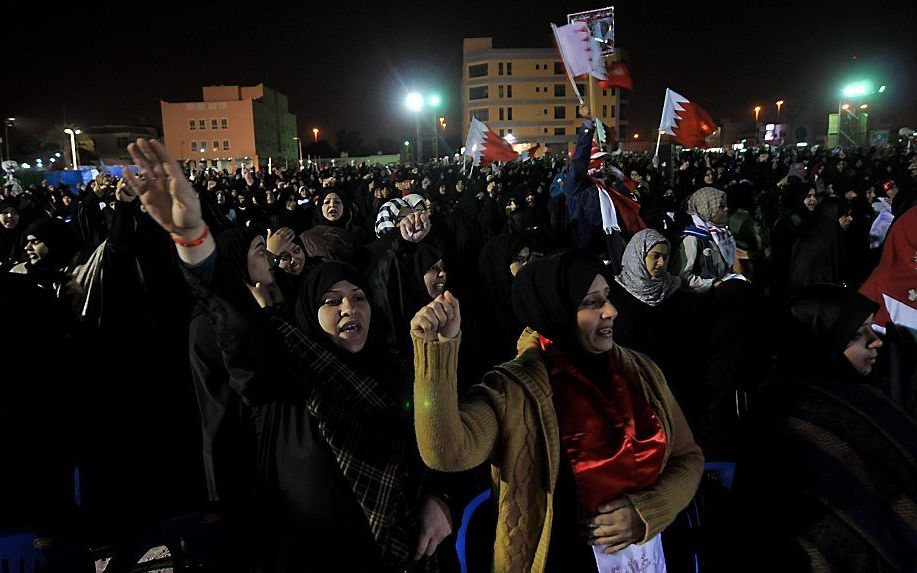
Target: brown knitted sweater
[{"x": 509, "y": 420}]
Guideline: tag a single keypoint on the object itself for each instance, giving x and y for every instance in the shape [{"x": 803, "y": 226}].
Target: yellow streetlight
[
  {"x": 845, "y": 107},
  {"x": 636, "y": 136},
  {"x": 315, "y": 134},
  {"x": 757, "y": 111},
  {"x": 864, "y": 106},
  {"x": 779, "y": 104}
]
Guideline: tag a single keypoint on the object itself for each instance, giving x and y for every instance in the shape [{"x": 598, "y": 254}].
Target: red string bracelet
[{"x": 196, "y": 242}]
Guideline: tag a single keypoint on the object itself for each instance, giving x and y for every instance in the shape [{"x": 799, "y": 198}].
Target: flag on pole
[
  {"x": 686, "y": 121},
  {"x": 581, "y": 53},
  {"x": 618, "y": 77},
  {"x": 482, "y": 143},
  {"x": 600, "y": 131}
]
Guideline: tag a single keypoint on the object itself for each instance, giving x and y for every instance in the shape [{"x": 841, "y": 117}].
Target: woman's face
[
  {"x": 595, "y": 318},
  {"x": 293, "y": 261},
  {"x": 708, "y": 177},
  {"x": 344, "y": 316},
  {"x": 520, "y": 260},
  {"x": 332, "y": 207},
  {"x": 435, "y": 279},
  {"x": 721, "y": 215},
  {"x": 863, "y": 348},
  {"x": 9, "y": 218},
  {"x": 657, "y": 259},
  {"x": 259, "y": 267},
  {"x": 35, "y": 248},
  {"x": 811, "y": 200}
]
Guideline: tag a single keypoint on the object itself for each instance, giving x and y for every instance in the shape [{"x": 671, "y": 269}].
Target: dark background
[{"x": 346, "y": 65}]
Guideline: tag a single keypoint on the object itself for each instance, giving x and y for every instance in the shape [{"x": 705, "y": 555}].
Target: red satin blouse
[{"x": 612, "y": 437}]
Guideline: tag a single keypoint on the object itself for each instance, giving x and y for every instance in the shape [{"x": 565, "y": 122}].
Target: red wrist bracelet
[{"x": 196, "y": 242}]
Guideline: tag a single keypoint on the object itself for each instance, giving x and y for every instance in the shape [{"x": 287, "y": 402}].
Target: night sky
[{"x": 350, "y": 67}]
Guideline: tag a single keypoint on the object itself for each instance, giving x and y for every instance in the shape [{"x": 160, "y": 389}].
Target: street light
[
  {"x": 779, "y": 104},
  {"x": 299, "y": 141},
  {"x": 7, "y": 123},
  {"x": 315, "y": 134},
  {"x": 864, "y": 106},
  {"x": 857, "y": 89},
  {"x": 73, "y": 133},
  {"x": 636, "y": 136},
  {"x": 757, "y": 111},
  {"x": 414, "y": 102}
]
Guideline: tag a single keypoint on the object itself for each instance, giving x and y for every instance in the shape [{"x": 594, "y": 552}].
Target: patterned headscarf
[
  {"x": 387, "y": 218},
  {"x": 636, "y": 279},
  {"x": 705, "y": 202}
]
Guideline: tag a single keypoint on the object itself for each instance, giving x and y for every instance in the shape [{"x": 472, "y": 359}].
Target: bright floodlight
[
  {"x": 407, "y": 143},
  {"x": 881, "y": 89},
  {"x": 434, "y": 100},
  {"x": 414, "y": 101},
  {"x": 857, "y": 89}
]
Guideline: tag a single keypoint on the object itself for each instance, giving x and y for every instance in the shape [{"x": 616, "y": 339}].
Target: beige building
[
  {"x": 526, "y": 93},
  {"x": 233, "y": 126}
]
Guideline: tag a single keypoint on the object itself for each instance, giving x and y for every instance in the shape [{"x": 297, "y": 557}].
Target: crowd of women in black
[{"x": 359, "y": 351}]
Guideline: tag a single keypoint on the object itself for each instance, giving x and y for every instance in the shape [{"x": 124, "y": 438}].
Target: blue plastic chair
[
  {"x": 722, "y": 472},
  {"x": 19, "y": 553},
  {"x": 462, "y": 537}
]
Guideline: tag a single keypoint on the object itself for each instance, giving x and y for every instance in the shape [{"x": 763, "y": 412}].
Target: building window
[
  {"x": 578, "y": 114},
  {"x": 612, "y": 111},
  {"x": 560, "y": 131},
  {"x": 559, "y": 69},
  {"x": 581, "y": 88},
  {"x": 501, "y": 114},
  {"x": 560, "y": 90},
  {"x": 213, "y": 123},
  {"x": 193, "y": 146},
  {"x": 192, "y": 125},
  {"x": 224, "y": 123},
  {"x": 546, "y": 130},
  {"x": 622, "y": 113},
  {"x": 479, "y": 92},
  {"x": 560, "y": 112},
  {"x": 481, "y": 114},
  {"x": 477, "y": 71},
  {"x": 537, "y": 89},
  {"x": 537, "y": 66},
  {"x": 202, "y": 124},
  {"x": 500, "y": 69},
  {"x": 225, "y": 145},
  {"x": 509, "y": 115},
  {"x": 614, "y": 91},
  {"x": 604, "y": 93},
  {"x": 546, "y": 111},
  {"x": 509, "y": 68},
  {"x": 509, "y": 131},
  {"x": 500, "y": 92},
  {"x": 501, "y": 133},
  {"x": 604, "y": 111},
  {"x": 509, "y": 91},
  {"x": 216, "y": 145}
]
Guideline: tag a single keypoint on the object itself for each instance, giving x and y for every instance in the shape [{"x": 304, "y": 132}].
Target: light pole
[
  {"x": 414, "y": 102},
  {"x": 74, "y": 156},
  {"x": 315, "y": 134},
  {"x": 299, "y": 141},
  {"x": 7, "y": 123},
  {"x": 779, "y": 104},
  {"x": 434, "y": 100}
]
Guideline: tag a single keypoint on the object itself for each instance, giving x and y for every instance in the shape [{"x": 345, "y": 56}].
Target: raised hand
[
  {"x": 440, "y": 320},
  {"x": 280, "y": 240},
  {"x": 415, "y": 226},
  {"x": 164, "y": 190}
]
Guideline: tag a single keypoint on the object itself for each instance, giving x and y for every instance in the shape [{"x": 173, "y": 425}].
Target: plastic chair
[
  {"x": 721, "y": 472},
  {"x": 25, "y": 551},
  {"x": 461, "y": 540}
]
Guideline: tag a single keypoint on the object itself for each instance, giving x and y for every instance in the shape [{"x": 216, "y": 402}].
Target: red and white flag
[
  {"x": 686, "y": 121},
  {"x": 581, "y": 53},
  {"x": 618, "y": 77},
  {"x": 484, "y": 143}
]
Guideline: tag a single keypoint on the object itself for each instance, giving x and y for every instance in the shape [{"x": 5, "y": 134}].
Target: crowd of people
[{"x": 335, "y": 362}]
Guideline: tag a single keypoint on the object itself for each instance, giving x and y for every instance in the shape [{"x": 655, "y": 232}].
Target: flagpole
[
  {"x": 658, "y": 141},
  {"x": 661, "y": 119},
  {"x": 569, "y": 77}
]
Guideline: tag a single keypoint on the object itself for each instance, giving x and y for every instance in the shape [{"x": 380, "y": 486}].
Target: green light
[
  {"x": 881, "y": 89},
  {"x": 406, "y": 143},
  {"x": 434, "y": 100},
  {"x": 857, "y": 89}
]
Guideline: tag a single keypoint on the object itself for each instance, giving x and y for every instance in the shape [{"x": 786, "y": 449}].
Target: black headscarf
[
  {"x": 315, "y": 285},
  {"x": 318, "y": 217},
  {"x": 494, "y": 262},
  {"x": 231, "y": 278},
  {"x": 57, "y": 236},
  {"x": 823, "y": 318},
  {"x": 424, "y": 259},
  {"x": 548, "y": 291}
]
